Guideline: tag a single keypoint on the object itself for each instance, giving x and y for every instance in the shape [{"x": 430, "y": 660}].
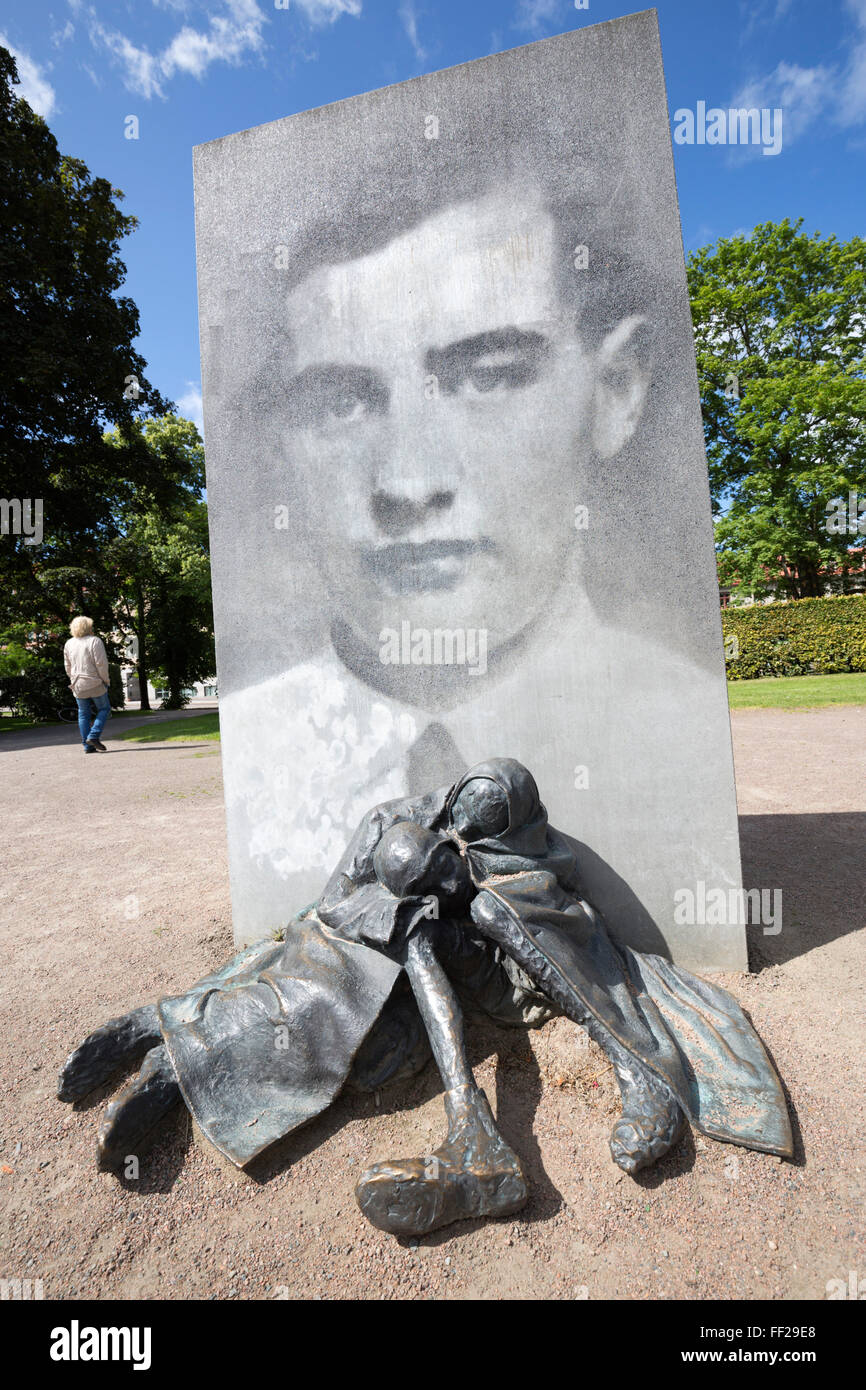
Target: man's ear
[{"x": 622, "y": 382}]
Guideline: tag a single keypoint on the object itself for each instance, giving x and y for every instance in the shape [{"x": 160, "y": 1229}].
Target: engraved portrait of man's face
[{"x": 441, "y": 416}]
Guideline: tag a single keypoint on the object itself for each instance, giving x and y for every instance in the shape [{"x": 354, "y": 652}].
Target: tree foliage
[
  {"x": 69, "y": 335},
  {"x": 779, "y": 320},
  {"x": 81, "y": 428},
  {"x": 160, "y": 568}
]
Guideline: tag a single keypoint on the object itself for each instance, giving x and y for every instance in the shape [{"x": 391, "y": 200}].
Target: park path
[
  {"x": 59, "y": 735},
  {"x": 114, "y": 891}
]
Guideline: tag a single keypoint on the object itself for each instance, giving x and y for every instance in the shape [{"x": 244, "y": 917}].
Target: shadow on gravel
[
  {"x": 680, "y": 1159},
  {"x": 154, "y": 747},
  {"x": 161, "y": 1154},
  {"x": 799, "y": 1157},
  {"x": 818, "y": 863},
  {"x": 518, "y": 1090}
]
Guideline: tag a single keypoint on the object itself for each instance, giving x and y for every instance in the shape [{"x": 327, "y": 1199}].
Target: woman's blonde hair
[{"x": 81, "y": 627}]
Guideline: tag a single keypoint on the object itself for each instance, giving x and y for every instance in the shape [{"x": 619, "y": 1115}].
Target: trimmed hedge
[{"x": 802, "y": 637}]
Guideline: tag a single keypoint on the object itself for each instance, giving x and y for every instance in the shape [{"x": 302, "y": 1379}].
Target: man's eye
[
  {"x": 491, "y": 363},
  {"x": 504, "y": 375},
  {"x": 324, "y": 396},
  {"x": 347, "y": 406},
  {"x": 484, "y": 379}
]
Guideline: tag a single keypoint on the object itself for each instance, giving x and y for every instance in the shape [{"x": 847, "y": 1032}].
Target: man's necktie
[{"x": 433, "y": 761}]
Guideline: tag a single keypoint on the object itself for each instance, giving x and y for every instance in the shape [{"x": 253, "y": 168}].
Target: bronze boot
[
  {"x": 139, "y": 1107},
  {"x": 652, "y": 1118},
  {"x": 474, "y": 1173}
]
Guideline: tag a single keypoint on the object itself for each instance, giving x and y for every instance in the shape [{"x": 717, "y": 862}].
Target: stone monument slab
[{"x": 458, "y": 494}]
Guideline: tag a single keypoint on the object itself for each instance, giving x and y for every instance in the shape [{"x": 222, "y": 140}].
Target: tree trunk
[
  {"x": 175, "y": 684},
  {"x": 141, "y": 663},
  {"x": 811, "y": 582},
  {"x": 141, "y": 671}
]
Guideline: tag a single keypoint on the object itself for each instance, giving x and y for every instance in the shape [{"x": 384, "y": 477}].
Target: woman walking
[{"x": 86, "y": 665}]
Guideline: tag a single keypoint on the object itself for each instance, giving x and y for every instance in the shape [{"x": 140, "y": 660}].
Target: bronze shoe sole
[{"x": 418, "y": 1196}]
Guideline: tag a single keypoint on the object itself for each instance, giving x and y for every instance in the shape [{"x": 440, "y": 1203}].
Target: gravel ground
[{"x": 115, "y": 892}]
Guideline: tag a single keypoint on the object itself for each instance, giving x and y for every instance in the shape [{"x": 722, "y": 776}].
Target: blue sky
[{"x": 193, "y": 70}]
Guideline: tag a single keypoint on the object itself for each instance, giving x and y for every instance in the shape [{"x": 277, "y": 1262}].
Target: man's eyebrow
[
  {"x": 307, "y": 391},
  {"x": 316, "y": 372},
  {"x": 313, "y": 382},
  {"x": 508, "y": 339}
]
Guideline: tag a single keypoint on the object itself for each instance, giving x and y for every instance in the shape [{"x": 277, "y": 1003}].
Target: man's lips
[{"x": 416, "y": 567}]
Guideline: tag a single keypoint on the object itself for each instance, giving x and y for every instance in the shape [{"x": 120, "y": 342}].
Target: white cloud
[
  {"x": 806, "y": 95},
  {"x": 36, "y": 90},
  {"x": 228, "y": 38},
  {"x": 62, "y": 36},
  {"x": 190, "y": 406},
  {"x": 409, "y": 18},
  {"x": 236, "y": 31},
  {"x": 802, "y": 93},
  {"x": 852, "y": 98},
  {"x": 142, "y": 72},
  {"x": 535, "y": 14},
  {"x": 328, "y": 11}
]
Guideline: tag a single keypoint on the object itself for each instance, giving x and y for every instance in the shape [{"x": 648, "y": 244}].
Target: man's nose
[
  {"x": 413, "y": 479},
  {"x": 407, "y": 505}
]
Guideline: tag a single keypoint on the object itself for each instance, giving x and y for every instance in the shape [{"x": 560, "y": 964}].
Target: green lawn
[
  {"x": 8, "y": 721},
  {"x": 798, "y": 692},
  {"x": 783, "y": 692},
  {"x": 202, "y": 726}
]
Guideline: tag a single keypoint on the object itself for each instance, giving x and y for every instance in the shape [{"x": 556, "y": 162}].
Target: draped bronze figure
[{"x": 466, "y": 896}]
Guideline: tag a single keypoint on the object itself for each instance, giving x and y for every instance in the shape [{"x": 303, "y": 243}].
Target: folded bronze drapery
[{"x": 463, "y": 898}]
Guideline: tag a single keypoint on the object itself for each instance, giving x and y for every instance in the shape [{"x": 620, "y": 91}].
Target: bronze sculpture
[{"x": 467, "y": 894}]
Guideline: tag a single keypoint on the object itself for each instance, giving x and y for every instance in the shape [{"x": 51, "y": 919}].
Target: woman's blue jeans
[{"x": 89, "y": 727}]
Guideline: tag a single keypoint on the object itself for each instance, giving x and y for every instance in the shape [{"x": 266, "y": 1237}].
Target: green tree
[
  {"x": 779, "y": 320},
  {"x": 180, "y": 618},
  {"x": 68, "y": 370},
  {"x": 159, "y": 567},
  {"x": 147, "y": 586}
]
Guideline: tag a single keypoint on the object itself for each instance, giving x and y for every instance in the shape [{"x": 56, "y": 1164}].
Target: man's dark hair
[{"x": 591, "y": 188}]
